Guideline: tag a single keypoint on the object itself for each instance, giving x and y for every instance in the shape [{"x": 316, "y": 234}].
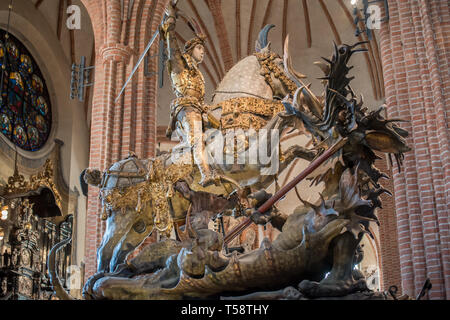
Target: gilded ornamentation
[
  {"x": 189, "y": 82},
  {"x": 18, "y": 185},
  {"x": 269, "y": 68},
  {"x": 316, "y": 239},
  {"x": 248, "y": 112},
  {"x": 153, "y": 192}
]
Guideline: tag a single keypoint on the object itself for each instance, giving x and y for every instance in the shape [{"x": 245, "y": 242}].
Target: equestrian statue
[{"x": 178, "y": 193}]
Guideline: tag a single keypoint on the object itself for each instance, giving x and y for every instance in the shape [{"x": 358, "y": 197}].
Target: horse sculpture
[
  {"x": 315, "y": 239},
  {"x": 144, "y": 183}
]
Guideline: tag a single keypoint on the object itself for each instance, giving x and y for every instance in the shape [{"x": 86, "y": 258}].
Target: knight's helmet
[{"x": 200, "y": 37}]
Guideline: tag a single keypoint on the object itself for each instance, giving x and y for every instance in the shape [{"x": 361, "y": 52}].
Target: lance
[
  {"x": 142, "y": 57},
  {"x": 283, "y": 191}
]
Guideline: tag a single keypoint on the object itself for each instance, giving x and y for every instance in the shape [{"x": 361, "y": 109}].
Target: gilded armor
[
  {"x": 189, "y": 88},
  {"x": 190, "y": 82}
]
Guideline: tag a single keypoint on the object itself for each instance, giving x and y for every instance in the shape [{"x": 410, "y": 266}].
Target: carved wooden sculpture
[{"x": 315, "y": 239}]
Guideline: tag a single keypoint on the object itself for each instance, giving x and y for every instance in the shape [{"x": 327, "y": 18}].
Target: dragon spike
[
  {"x": 395, "y": 120},
  {"x": 339, "y": 95},
  {"x": 327, "y": 60},
  {"x": 359, "y": 44},
  {"x": 360, "y": 50},
  {"x": 384, "y": 176},
  {"x": 263, "y": 38},
  {"x": 322, "y": 198},
  {"x": 312, "y": 102},
  {"x": 379, "y": 192},
  {"x": 336, "y": 50},
  {"x": 386, "y": 191},
  {"x": 390, "y": 160},
  {"x": 297, "y": 98},
  {"x": 324, "y": 67},
  {"x": 361, "y": 103},
  {"x": 308, "y": 204},
  {"x": 288, "y": 69}
]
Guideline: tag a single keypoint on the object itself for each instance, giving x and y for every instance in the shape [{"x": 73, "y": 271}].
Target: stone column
[{"x": 415, "y": 46}]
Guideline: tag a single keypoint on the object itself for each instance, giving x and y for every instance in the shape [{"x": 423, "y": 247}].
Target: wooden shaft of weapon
[
  {"x": 282, "y": 192},
  {"x": 238, "y": 230}
]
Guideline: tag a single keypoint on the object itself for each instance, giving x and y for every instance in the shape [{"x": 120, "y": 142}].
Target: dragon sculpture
[{"x": 315, "y": 240}]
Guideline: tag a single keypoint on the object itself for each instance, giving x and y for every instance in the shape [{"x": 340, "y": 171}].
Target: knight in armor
[{"x": 188, "y": 109}]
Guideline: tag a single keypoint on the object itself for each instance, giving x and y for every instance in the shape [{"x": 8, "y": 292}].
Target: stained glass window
[{"x": 25, "y": 110}]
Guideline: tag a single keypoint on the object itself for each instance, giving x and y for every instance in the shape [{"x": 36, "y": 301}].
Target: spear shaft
[{"x": 283, "y": 191}]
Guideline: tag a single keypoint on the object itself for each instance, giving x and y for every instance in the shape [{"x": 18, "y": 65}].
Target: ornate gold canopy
[
  {"x": 48, "y": 175},
  {"x": 17, "y": 185}
]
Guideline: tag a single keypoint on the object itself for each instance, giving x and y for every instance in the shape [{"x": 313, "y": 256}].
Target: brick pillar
[
  {"x": 121, "y": 35},
  {"x": 415, "y": 46},
  {"x": 388, "y": 253}
]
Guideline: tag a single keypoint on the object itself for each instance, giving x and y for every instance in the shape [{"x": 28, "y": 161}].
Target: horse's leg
[
  {"x": 137, "y": 233},
  {"x": 154, "y": 256},
  {"x": 117, "y": 226}
]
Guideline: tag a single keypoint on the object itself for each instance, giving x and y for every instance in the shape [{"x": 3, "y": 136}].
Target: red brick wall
[
  {"x": 415, "y": 46},
  {"x": 388, "y": 251},
  {"x": 129, "y": 124}
]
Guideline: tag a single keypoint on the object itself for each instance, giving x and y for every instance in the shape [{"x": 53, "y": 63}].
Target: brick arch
[{"x": 94, "y": 9}]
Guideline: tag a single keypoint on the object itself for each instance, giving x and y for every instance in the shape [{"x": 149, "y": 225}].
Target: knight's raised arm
[{"x": 174, "y": 54}]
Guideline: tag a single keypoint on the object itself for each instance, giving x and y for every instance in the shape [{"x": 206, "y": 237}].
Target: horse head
[{"x": 126, "y": 227}]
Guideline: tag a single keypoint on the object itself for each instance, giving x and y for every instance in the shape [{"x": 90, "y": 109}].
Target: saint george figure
[{"x": 188, "y": 84}]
